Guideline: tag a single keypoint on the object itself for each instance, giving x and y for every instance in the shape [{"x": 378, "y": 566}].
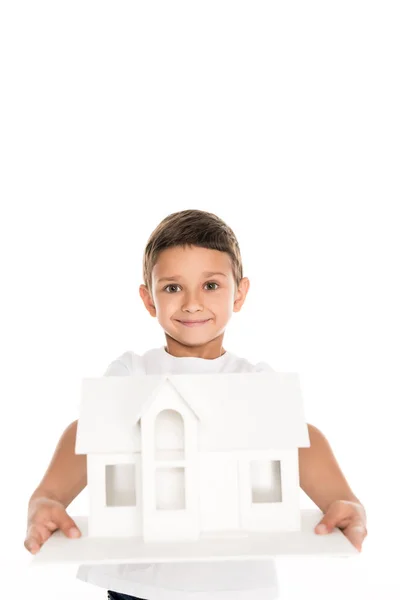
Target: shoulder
[
  {"x": 263, "y": 366},
  {"x": 125, "y": 364},
  {"x": 241, "y": 364},
  {"x": 132, "y": 363}
]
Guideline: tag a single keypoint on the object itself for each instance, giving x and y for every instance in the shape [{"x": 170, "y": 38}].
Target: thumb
[
  {"x": 66, "y": 524},
  {"x": 329, "y": 520},
  {"x": 323, "y": 527}
]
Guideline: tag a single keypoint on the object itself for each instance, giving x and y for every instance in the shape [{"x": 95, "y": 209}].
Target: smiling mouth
[{"x": 194, "y": 323}]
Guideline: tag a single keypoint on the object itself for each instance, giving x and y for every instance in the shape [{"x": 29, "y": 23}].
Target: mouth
[{"x": 196, "y": 323}]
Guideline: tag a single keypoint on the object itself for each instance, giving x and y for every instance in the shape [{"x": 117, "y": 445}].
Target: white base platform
[{"x": 59, "y": 549}]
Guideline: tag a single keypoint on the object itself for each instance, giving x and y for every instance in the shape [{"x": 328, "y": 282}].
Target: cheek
[
  {"x": 166, "y": 302},
  {"x": 223, "y": 304}
]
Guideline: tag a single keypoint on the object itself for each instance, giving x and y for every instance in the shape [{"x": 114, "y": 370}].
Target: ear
[
  {"x": 147, "y": 300},
  {"x": 241, "y": 294}
]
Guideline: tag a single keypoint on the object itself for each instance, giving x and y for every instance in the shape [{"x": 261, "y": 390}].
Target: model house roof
[{"x": 235, "y": 411}]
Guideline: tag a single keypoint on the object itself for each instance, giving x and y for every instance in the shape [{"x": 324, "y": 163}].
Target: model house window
[
  {"x": 169, "y": 436},
  {"x": 121, "y": 485},
  {"x": 170, "y": 488},
  {"x": 266, "y": 482}
]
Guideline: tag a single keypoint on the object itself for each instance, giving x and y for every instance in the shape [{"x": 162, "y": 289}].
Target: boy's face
[{"x": 186, "y": 287}]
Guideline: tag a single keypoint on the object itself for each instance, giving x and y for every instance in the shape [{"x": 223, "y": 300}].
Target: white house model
[{"x": 186, "y": 457}]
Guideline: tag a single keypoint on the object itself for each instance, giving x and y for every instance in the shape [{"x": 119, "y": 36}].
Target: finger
[
  {"x": 47, "y": 532},
  {"x": 34, "y": 539},
  {"x": 356, "y": 535},
  {"x": 32, "y": 545},
  {"x": 338, "y": 514},
  {"x": 51, "y": 525},
  {"x": 65, "y": 523}
]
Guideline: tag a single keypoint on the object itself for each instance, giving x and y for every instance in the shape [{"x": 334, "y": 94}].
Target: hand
[
  {"x": 46, "y": 515},
  {"x": 348, "y": 516}
]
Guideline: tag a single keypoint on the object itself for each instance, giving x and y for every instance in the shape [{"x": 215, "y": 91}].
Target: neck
[{"x": 210, "y": 350}]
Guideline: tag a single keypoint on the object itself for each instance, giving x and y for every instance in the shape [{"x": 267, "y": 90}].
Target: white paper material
[
  {"x": 303, "y": 543},
  {"x": 187, "y": 457},
  {"x": 190, "y": 468}
]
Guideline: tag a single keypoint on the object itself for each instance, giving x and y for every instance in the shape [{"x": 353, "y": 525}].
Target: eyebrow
[{"x": 205, "y": 273}]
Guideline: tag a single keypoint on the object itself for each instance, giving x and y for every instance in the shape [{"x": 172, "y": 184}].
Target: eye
[{"x": 173, "y": 285}]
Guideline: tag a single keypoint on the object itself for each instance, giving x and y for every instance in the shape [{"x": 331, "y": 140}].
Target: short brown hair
[{"x": 192, "y": 228}]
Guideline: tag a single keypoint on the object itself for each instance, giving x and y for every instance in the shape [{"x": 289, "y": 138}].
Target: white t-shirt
[{"x": 238, "y": 580}]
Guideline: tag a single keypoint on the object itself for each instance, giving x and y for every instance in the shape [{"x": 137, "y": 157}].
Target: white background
[{"x": 281, "y": 118}]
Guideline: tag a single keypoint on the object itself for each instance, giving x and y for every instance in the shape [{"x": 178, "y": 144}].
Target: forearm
[
  {"x": 66, "y": 475},
  {"x": 320, "y": 475}
]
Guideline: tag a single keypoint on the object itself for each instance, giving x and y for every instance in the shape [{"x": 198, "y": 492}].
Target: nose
[{"x": 191, "y": 302}]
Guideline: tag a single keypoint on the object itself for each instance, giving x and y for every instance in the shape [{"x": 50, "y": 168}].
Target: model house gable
[
  {"x": 234, "y": 411},
  {"x": 168, "y": 424},
  {"x": 166, "y": 393}
]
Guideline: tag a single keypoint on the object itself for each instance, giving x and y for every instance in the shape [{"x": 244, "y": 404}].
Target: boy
[{"x": 193, "y": 282}]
